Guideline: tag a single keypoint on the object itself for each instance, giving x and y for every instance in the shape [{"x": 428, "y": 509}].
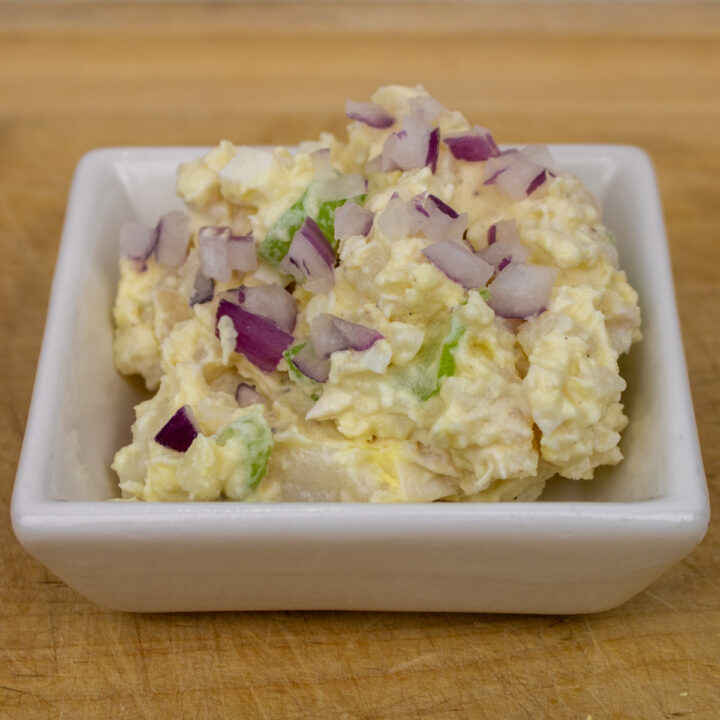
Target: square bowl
[{"x": 583, "y": 547}]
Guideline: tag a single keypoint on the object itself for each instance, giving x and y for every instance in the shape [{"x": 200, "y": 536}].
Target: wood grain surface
[{"x": 75, "y": 77}]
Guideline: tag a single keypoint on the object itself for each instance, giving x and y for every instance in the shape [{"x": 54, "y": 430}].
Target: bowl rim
[{"x": 684, "y": 505}]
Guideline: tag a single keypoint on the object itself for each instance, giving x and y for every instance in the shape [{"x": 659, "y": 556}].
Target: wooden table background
[{"x": 76, "y": 77}]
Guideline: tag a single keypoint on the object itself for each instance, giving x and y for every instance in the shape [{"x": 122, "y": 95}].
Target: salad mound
[{"x": 411, "y": 314}]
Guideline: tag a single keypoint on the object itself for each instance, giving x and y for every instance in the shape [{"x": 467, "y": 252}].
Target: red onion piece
[
  {"x": 497, "y": 165},
  {"x": 522, "y": 291},
  {"x": 505, "y": 230},
  {"x": 442, "y": 206},
  {"x": 322, "y": 167},
  {"x": 412, "y": 145},
  {"x": 212, "y": 246},
  {"x": 436, "y": 220},
  {"x": 351, "y": 219},
  {"x": 173, "y": 238},
  {"x": 241, "y": 253},
  {"x": 310, "y": 364},
  {"x": 537, "y": 182},
  {"x": 221, "y": 252},
  {"x": 433, "y": 149},
  {"x": 540, "y": 155},
  {"x": 521, "y": 172},
  {"x": 459, "y": 264},
  {"x": 395, "y": 220},
  {"x": 203, "y": 289},
  {"x": 179, "y": 431},
  {"x": 474, "y": 145},
  {"x": 270, "y": 301},
  {"x": 371, "y": 114},
  {"x": 502, "y": 252},
  {"x": 425, "y": 108},
  {"x": 492, "y": 235},
  {"x": 504, "y": 245},
  {"x": 374, "y": 165},
  {"x": 259, "y": 339},
  {"x": 330, "y": 334},
  {"x": 137, "y": 243},
  {"x": 310, "y": 258},
  {"x": 246, "y": 395},
  {"x": 342, "y": 187},
  {"x": 517, "y": 178}
]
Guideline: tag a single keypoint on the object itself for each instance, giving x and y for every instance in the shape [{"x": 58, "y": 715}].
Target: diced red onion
[
  {"x": 537, "y": 182},
  {"x": 330, "y": 334},
  {"x": 173, "y": 237},
  {"x": 501, "y": 252},
  {"x": 412, "y": 147},
  {"x": 387, "y": 162},
  {"x": 495, "y": 166},
  {"x": 371, "y": 114},
  {"x": 395, "y": 221},
  {"x": 179, "y": 431},
  {"x": 519, "y": 173},
  {"x": 241, "y": 253},
  {"x": 310, "y": 258},
  {"x": 433, "y": 149},
  {"x": 436, "y": 220},
  {"x": 221, "y": 252},
  {"x": 342, "y": 187},
  {"x": 259, "y": 339},
  {"x": 246, "y": 395},
  {"x": 203, "y": 289},
  {"x": 310, "y": 364},
  {"x": 418, "y": 203},
  {"x": 505, "y": 230},
  {"x": 270, "y": 301},
  {"x": 521, "y": 291},
  {"x": 322, "y": 167},
  {"x": 374, "y": 165},
  {"x": 351, "y": 219},
  {"x": 459, "y": 264},
  {"x": 442, "y": 206},
  {"x": 492, "y": 234},
  {"x": 474, "y": 145},
  {"x": 212, "y": 246},
  {"x": 515, "y": 182},
  {"x": 540, "y": 155},
  {"x": 504, "y": 245},
  {"x": 425, "y": 108},
  {"x": 137, "y": 243}
]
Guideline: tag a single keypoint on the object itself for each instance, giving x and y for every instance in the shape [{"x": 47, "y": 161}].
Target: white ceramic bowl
[{"x": 586, "y": 546}]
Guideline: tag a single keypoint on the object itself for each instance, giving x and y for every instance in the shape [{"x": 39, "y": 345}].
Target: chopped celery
[
  {"x": 276, "y": 243},
  {"x": 434, "y": 362},
  {"x": 309, "y": 386},
  {"x": 252, "y": 432}
]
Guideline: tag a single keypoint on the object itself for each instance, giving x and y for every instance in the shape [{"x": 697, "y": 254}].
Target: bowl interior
[{"x": 94, "y": 408}]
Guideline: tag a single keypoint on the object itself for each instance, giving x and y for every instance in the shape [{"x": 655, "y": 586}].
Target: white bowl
[{"x": 586, "y": 546}]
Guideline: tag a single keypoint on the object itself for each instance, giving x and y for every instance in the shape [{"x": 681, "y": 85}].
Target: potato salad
[{"x": 408, "y": 315}]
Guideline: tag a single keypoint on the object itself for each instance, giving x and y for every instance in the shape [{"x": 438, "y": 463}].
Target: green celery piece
[
  {"x": 434, "y": 362},
  {"x": 255, "y": 433},
  {"x": 277, "y": 242},
  {"x": 289, "y": 354},
  {"x": 308, "y": 385},
  {"x": 446, "y": 367},
  {"x": 326, "y": 219}
]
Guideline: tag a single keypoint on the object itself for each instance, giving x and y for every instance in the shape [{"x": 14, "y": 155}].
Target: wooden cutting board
[{"x": 74, "y": 77}]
